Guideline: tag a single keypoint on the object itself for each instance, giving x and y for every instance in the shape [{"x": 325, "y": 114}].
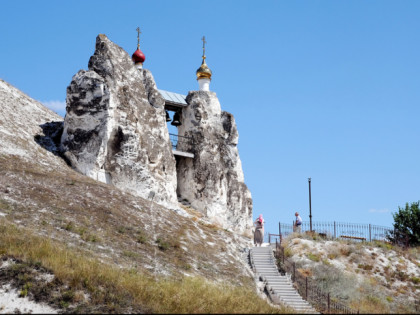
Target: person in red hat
[{"x": 259, "y": 231}]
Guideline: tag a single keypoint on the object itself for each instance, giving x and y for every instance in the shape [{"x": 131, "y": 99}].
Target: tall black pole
[{"x": 310, "y": 207}]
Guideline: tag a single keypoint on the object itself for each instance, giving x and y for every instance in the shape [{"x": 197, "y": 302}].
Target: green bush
[
  {"x": 141, "y": 237},
  {"x": 415, "y": 280},
  {"x": 313, "y": 257},
  {"x": 406, "y": 225},
  {"x": 365, "y": 267},
  {"x": 163, "y": 245}
]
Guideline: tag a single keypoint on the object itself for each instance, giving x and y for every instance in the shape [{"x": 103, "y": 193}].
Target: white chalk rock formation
[
  {"x": 213, "y": 181},
  {"x": 115, "y": 129}
]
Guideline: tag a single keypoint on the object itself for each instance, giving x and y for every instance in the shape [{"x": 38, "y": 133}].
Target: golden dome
[{"x": 204, "y": 71}]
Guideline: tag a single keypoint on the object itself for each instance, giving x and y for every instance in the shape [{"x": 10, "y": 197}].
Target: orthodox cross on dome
[
  {"x": 204, "y": 47},
  {"x": 203, "y": 73},
  {"x": 138, "y": 57},
  {"x": 138, "y": 37}
]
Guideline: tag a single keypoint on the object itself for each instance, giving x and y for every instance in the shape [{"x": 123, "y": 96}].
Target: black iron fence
[
  {"x": 307, "y": 288},
  {"x": 340, "y": 230},
  {"x": 274, "y": 238},
  {"x": 181, "y": 143}
]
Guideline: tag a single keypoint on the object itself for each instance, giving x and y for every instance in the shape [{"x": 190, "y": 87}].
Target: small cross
[
  {"x": 138, "y": 37},
  {"x": 204, "y": 46}
]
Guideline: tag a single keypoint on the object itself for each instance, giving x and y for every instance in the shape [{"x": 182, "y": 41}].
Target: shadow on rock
[{"x": 50, "y": 137}]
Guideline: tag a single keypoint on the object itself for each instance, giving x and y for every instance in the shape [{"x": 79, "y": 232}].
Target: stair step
[
  {"x": 267, "y": 267},
  {"x": 279, "y": 283},
  {"x": 296, "y": 305},
  {"x": 285, "y": 292},
  {"x": 279, "y": 286},
  {"x": 292, "y": 298}
]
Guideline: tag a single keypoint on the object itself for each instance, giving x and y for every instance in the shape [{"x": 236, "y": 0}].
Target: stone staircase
[{"x": 279, "y": 288}]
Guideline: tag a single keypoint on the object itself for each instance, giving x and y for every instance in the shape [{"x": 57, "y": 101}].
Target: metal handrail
[
  {"x": 181, "y": 143},
  {"x": 336, "y": 230},
  {"x": 272, "y": 237},
  {"x": 308, "y": 288},
  {"x": 344, "y": 230}
]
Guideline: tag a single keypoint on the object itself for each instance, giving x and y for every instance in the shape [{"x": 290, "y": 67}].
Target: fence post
[
  {"x": 306, "y": 288},
  {"x": 277, "y": 251},
  {"x": 328, "y": 299},
  {"x": 370, "y": 232},
  {"x": 282, "y": 250},
  {"x": 269, "y": 238},
  {"x": 279, "y": 228},
  {"x": 335, "y": 234}
]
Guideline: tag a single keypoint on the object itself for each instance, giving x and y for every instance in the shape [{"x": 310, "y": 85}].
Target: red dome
[{"x": 138, "y": 56}]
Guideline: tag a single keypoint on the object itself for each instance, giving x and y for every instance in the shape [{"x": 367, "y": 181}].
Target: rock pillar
[
  {"x": 115, "y": 129},
  {"x": 213, "y": 181}
]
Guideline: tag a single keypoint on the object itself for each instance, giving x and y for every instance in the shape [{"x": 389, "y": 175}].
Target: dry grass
[
  {"x": 113, "y": 242},
  {"x": 119, "y": 290},
  {"x": 359, "y": 275},
  {"x": 100, "y": 241},
  {"x": 66, "y": 206},
  {"x": 196, "y": 214}
]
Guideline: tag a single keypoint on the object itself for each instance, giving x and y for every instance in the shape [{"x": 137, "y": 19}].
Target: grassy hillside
[
  {"x": 374, "y": 277},
  {"x": 84, "y": 246},
  {"x": 83, "y": 284},
  {"x": 114, "y": 252}
]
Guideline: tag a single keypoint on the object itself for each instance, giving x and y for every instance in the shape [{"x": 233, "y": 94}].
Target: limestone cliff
[
  {"x": 115, "y": 129},
  {"x": 213, "y": 181}
]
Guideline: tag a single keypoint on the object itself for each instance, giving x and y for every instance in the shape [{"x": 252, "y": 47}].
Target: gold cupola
[{"x": 204, "y": 71}]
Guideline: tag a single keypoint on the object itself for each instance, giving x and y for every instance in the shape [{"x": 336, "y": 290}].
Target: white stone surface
[
  {"x": 213, "y": 181},
  {"x": 204, "y": 84},
  {"x": 10, "y": 302},
  {"x": 115, "y": 129}
]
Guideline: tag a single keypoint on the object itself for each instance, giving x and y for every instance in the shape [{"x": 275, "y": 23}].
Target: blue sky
[{"x": 320, "y": 89}]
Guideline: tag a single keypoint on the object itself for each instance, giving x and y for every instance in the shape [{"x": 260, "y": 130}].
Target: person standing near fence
[
  {"x": 259, "y": 231},
  {"x": 297, "y": 225}
]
